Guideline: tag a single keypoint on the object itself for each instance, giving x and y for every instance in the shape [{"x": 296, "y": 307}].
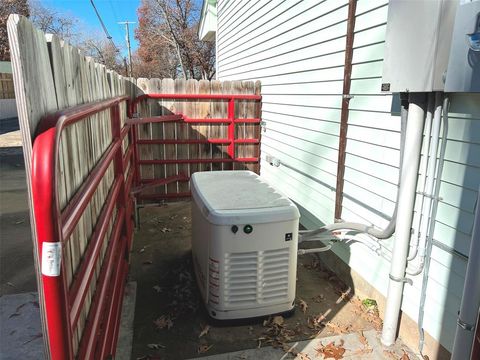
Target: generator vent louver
[{"x": 256, "y": 277}]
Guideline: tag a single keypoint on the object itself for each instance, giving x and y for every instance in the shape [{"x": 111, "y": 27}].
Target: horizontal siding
[{"x": 296, "y": 48}]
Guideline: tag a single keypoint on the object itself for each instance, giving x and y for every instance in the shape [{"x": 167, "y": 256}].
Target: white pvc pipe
[
  {"x": 429, "y": 193},
  {"x": 423, "y": 176},
  {"x": 462, "y": 346},
  {"x": 408, "y": 184}
]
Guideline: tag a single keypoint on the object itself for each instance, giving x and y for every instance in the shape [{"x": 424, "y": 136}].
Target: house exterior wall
[{"x": 296, "y": 49}]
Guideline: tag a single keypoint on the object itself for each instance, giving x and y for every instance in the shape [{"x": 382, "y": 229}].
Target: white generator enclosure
[{"x": 244, "y": 244}]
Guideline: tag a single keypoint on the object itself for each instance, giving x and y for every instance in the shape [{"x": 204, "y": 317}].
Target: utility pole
[{"x": 127, "y": 39}]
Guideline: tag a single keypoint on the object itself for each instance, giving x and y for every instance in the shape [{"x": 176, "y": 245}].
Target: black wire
[{"x": 109, "y": 37}]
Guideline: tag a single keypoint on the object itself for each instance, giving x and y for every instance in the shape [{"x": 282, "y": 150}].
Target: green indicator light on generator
[{"x": 247, "y": 229}]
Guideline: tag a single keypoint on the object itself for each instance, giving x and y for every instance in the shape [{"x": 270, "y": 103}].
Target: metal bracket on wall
[{"x": 400, "y": 279}]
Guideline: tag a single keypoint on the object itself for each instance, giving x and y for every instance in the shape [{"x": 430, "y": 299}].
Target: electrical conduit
[{"x": 408, "y": 184}]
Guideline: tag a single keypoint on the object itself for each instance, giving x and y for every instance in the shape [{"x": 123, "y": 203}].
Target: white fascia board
[{"x": 208, "y": 21}]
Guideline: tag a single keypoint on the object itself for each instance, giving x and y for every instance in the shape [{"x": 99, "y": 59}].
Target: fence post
[{"x": 231, "y": 128}]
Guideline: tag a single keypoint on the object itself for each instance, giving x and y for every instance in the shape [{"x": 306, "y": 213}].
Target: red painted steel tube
[
  {"x": 125, "y": 131},
  {"x": 220, "y": 121},
  {"x": 115, "y": 300},
  {"x": 90, "y": 336},
  {"x": 48, "y": 232},
  {"x": 231, "y": 128},
  {"x": 69, "y": 116},
  {"x": 164, "y": 196},
  {"x": 128, "y": 157},
  {"x": 75, "y": 208},
  {"x": 154, "y": 119},
  {"x": 189, "y": 141},
  {"x": 196, "y": 141},
  {"x": 116, "y": 327},
  {"x": 119, "y": 165},
  {"x": 158, "y": 182},
  {"x": 135, "y": 155},
  {"x": 247, "y": 141},
  {"x": 196, "y": 161},
  {"x": 80, "y": 285}
]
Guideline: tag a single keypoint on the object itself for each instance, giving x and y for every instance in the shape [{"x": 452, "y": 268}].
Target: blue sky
[{"x": 111, "y": 11}]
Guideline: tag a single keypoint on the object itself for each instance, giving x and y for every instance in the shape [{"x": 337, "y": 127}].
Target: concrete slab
[
  {"x": 356, "y": 346},
  {"x": 20, "y": 327},
  {"x": 125, "y": 336},
  {"x": 21, "y": 330}
]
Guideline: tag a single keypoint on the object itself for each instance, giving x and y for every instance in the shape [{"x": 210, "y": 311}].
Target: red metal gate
[
  {"x": 104, "y": 270},
  {"x": 54, "y": 226}
]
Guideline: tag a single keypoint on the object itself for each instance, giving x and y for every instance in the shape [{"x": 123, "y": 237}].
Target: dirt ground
[{"x": 170, "y": 320}]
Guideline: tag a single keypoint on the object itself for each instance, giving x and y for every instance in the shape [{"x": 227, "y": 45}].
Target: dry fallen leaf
[
  {"x": 302, "y": 356},
  {"x": 165, "y": 230},
  {"x": 318, "y": 298},
  {"x": 405, "y": 356},
  {"x": 163, "y": 322},
  {"x": 156, "y": 346},
  {"x": 204, "y": 331},
  {"x": 389, "y": 354},
  {"x": 157, "y": 288},
  {"x": 363, "y": 351},
  {"x": 338, "y": 329},
  {"x": 303, "y": 305},
  {"x": 331, "y": 351},
  {"x": 203, "y": 348},
  {"x": 363, "y": 339},
  {"x": 278, "y": 320}
]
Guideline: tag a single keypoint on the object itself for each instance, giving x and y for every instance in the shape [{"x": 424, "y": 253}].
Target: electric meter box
[
  {"x": 244, "y": 244},
  {"x": 463, "y": 73},
  {"x": 417, "y": 45}
]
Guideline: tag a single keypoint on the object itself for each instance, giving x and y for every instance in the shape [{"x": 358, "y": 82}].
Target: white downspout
[
  {"x": 411, "y": 162},
  {"x": 462, "y": 347}
]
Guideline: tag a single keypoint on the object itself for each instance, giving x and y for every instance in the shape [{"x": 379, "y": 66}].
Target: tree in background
[
  {"x": 168, "y": 41},
  {"x": 69, "y": 28},
  {"x": 8, "y": 7},
  {"x": 51, "y": 21}
]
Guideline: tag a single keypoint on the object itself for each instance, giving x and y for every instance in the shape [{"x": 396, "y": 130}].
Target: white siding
[{"x": 296, "y": 48}]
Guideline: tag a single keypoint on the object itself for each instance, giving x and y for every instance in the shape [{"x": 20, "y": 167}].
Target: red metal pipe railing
[
  {"x": 64, "y": 303},
  {"x": 230, "y": 141}
]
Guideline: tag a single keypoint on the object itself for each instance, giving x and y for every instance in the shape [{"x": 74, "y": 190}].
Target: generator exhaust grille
[{"x": 256, "y": 277}]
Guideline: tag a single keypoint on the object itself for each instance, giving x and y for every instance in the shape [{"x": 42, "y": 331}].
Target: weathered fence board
[{"x": 6, "y": 86}]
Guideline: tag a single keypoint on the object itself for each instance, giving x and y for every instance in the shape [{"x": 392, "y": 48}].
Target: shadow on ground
[
  {"x": 17, "y": 273},
  {"x": 169, "y": 316}
]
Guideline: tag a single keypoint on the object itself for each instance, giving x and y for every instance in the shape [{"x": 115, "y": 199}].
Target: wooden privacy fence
[
  {"x": 217, "y": 128},
  {"x": 99, "y": 141},
  {"x": 6, "y": 86}
]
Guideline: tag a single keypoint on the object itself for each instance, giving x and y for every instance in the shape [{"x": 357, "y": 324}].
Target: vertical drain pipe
[
  {"x": 464, "y": 336},
  {"x": 408, "y": 185}
]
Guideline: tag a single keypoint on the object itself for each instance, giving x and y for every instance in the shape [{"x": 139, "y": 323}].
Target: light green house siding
[{"x": 296, "y": 48}]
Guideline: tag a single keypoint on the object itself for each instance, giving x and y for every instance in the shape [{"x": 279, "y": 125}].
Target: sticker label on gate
[{"x": 51, "y": 258}]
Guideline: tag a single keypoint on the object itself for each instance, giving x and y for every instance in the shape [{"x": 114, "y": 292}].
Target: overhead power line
[{"x": 109, "y": 37}]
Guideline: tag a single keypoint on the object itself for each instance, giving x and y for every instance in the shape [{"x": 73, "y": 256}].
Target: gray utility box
[
  {"x": 463, "y": 73},
  {"x": 417, "y": 47}
]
